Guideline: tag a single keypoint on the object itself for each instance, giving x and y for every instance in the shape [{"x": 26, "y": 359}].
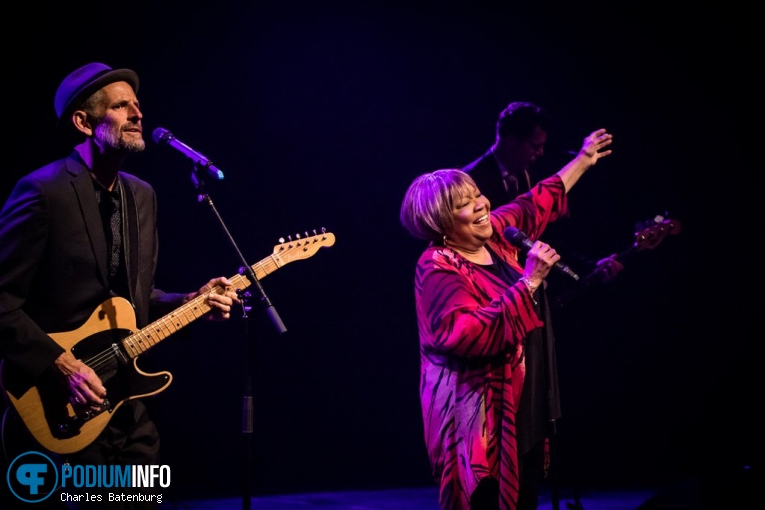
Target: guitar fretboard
[{"x": 143, "y": 340}]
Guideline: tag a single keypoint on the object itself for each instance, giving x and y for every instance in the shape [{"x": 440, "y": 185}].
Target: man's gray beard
[{"x": 115, "y": 140}]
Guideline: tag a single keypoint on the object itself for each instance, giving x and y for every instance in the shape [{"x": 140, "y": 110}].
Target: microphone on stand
[
  {"x": 164, "y": 137},
  {"x": 521, "y": 241}
]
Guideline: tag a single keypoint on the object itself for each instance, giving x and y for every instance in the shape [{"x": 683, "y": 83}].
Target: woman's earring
[{"x": 444, "y": 240}]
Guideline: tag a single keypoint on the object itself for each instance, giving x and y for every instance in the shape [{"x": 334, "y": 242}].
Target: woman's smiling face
[{"x": 470, "y": 227}]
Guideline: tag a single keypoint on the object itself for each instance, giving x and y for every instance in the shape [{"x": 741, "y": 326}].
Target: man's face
[
  {"x": 118, "y": 119},
  {"x": 518, "y": 154},
  {"x": 533, "y": 147}
]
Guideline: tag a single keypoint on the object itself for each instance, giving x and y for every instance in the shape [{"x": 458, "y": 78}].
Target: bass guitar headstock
[{"x": 650, "y": 234}]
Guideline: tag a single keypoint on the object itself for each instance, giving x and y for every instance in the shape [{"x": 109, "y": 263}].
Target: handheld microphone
[
  {"x": 164, "y": 137},
  {"x": 521, "y": 241}
]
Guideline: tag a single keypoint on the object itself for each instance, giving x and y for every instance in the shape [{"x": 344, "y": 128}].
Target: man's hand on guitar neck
[
  {"x": 607, "y": 268},
  {"x": 85, "y": 387},
  {"x": 220, "y": 303}
]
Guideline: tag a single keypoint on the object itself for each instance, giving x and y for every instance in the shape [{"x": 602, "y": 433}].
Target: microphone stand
[{"x": 246, "y": 270}]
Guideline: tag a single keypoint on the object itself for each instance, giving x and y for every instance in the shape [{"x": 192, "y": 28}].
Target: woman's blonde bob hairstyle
[{"x": 426, "y": 211}]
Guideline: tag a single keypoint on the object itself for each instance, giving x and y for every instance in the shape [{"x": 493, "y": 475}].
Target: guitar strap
[{"x": 130, "y": 238}]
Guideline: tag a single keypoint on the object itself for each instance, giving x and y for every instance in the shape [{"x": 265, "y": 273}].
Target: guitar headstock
[
  {"x": 303, "y": 246},
  {"x": 649, "y": 235}
]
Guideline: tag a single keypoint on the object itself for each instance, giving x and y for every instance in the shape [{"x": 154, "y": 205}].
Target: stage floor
[
  {"x": 409, "y": 499},
  {"x": 740, "y": 492}
]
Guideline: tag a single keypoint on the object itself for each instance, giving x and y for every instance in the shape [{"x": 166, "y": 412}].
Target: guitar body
[
  {"x": 109, "y": 343},
  {"x": 45, "y": 409}
]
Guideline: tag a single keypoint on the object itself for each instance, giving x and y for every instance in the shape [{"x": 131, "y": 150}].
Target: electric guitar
[
  {"x": 110, "y": 343},
  {"x": 647, "y": 237}
]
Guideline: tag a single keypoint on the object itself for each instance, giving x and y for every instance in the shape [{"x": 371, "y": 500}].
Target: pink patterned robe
[{"x": 471, "y": 328}]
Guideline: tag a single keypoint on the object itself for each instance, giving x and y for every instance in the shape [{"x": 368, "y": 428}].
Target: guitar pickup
[{"x": 118, "y": 353}]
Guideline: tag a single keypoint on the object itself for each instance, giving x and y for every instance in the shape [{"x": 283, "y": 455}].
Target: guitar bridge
[{"x": 75, "y": 423}]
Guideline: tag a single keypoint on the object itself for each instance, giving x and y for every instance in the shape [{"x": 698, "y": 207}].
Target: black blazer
[
  {"x": 53, "y": 267},
  {"x": 488, "y": 177}
]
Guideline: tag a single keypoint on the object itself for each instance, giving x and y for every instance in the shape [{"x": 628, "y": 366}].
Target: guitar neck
[
  {"x": 143, "y": 340},
  {"x": 646, "y": 238}
]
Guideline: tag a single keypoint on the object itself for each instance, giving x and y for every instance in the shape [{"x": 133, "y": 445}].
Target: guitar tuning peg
[{"x": 281, "y": 240}]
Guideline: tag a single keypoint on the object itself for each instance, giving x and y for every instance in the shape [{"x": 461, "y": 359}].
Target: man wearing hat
[{"x": 73, "y": 234}]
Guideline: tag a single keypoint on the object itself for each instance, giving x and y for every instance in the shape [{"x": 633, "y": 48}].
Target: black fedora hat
[{"x": 83, "y": 82}]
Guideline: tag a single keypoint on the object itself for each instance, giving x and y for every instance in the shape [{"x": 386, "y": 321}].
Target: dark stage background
[{"x": 321, "y": 114}]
